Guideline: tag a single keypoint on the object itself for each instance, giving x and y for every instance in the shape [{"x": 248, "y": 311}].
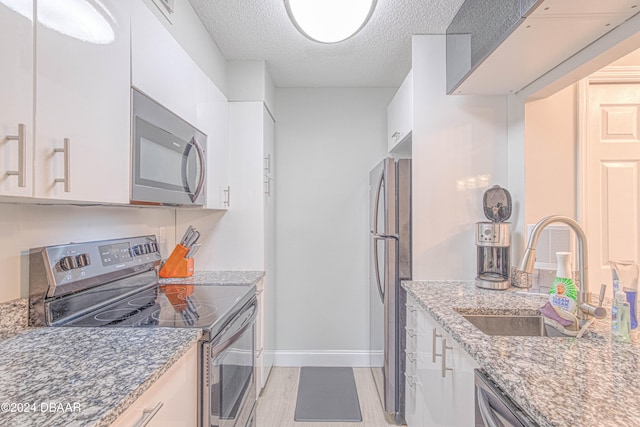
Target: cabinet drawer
[{"x": 171, "y": 400}]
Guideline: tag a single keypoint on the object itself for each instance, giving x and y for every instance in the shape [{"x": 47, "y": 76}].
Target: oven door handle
[
  {"x": 486, "y": 413},
  {"x": 219, "y": 348},
  {"x": 202, "y": 175}
]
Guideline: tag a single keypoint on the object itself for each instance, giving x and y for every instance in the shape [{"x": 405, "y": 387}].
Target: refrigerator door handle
[
  {"x": 377, "y": 265},
  {"x": 378, "y": 236},
  {"x": 375, "y": 235}
]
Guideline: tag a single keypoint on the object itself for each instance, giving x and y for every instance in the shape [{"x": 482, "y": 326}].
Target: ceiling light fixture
[{"x": 329, "y": 21}]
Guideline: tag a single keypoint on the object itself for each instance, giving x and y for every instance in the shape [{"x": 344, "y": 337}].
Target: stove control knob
[
  {"x": 154, "y": 247},
  {"x": 83, "y": 260},
  {"x": 68, "y": 263},
  {"x": 137, "y": 251}
]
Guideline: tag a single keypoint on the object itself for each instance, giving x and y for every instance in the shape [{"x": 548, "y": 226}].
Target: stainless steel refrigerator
[{"x": 390, "y": 263}]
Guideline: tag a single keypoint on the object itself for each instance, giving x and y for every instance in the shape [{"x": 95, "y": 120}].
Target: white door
[
  {"x": 16, "y": 101},
  {"x": 612, "y": 159}
]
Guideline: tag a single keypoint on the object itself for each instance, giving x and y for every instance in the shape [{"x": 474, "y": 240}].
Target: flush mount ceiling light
[{"x": 329, "y": 21}]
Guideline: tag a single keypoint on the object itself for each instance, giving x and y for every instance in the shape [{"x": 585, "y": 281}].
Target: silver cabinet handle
[
  {"x": 267, "y": 164},
  {"x": 412, "y": 380},
  {"x": 435, "y": 335},
  {"x": 412, "y": 356},
  {"x": 412, "y": 332},
  {"x": 412, "y": 308},
  {"x": 395, "y": 135},
  {"x": 267, "y": 185},
  {"x": 148, "y": 414},
  {"x": 67, "y": 165},
  {"x": 444, "y": 368},
  {"x": 22, "y": 154},
  {"x": 227, "y": 196}
]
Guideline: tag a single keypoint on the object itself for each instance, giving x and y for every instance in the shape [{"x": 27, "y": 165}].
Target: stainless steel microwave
[{"x": 168, "y": 156}]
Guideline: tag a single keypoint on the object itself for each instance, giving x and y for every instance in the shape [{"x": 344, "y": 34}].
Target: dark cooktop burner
[
  {"x": 168, "y": 305},
  {"x": 115, "y": 314}
]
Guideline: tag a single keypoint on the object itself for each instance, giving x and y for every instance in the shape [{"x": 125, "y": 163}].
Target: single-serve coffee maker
[{"x": 493, "y": 239}]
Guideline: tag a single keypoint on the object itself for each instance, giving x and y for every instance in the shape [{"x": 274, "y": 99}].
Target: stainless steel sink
[{"x": 508, "y": 324}]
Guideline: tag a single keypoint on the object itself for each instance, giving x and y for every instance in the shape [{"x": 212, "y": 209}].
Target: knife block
[{"x": 177, "y": 265}]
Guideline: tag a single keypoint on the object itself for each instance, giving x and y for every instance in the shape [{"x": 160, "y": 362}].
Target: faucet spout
[{"x": 529, "y": 258}]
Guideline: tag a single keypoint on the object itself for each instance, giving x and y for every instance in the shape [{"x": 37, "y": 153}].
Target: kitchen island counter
[
  {"x": 557, "y": 381},
  {"x": 79, "y": 376}
]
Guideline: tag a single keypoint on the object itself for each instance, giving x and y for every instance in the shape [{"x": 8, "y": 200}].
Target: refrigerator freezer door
[{"x": 383, "y": 283}]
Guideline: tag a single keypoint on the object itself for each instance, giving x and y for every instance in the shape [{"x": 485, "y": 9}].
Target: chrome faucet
[{"x": 529, "y": 259}]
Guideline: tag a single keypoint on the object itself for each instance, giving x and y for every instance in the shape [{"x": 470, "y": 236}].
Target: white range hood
[{"x": 499, "y": 47}]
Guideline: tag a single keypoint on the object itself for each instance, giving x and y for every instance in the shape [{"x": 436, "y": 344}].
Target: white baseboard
[{"x": 352, "y": 358}]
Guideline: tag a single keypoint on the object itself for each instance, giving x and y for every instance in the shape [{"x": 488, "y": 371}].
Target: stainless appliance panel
[
  {"x": 493, "y": 408},
  {"x": 228, "y": 392},
  {"x": 390, "y": 228},
  {"x": 168, "y": 156}
]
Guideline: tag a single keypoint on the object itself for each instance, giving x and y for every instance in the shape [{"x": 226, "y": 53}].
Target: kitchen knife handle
[
  {"x": 22, "y": 154},
  {"x": 67, "y": 165}
]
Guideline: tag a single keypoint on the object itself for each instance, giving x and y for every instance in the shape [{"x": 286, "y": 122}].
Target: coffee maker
[{"x": 493, "y": 240}]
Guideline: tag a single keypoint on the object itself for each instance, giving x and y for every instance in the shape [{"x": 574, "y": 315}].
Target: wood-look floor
[{"x": 277, "y": 402}]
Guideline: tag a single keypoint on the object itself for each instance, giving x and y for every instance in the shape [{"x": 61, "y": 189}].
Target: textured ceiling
[{"x": 378, "y": 56}]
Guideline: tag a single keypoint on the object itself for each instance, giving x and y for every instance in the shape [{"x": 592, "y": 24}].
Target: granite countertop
[
  {"x": 219, "y": 278},
  {"x": 90, "y": 375},
  {"x": 591, "y": 381}
]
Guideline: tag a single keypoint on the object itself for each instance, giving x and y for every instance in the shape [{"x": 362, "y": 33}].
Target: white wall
[
  {"x": 27, "y": 226},
  {"x": 459, "y": 150},
  {"x": 550, "y": 152},
  {"x": 327, "y": 141}
]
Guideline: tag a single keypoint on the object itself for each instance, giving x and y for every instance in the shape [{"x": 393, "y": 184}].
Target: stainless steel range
[{"x": 114, "y": 283}]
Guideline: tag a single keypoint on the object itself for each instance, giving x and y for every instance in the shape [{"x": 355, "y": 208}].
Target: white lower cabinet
[
  {"x": 171, "y": 401},
  {"x": 439, "y": 385}
]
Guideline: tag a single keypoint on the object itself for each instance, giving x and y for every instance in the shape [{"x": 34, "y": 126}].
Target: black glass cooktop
[{"x": 159, "y": 305}]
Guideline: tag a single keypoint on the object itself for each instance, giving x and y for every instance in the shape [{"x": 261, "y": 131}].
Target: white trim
[
  {"x": 351, "y": 358},
  {"x": 616, "y": 74},
  {"x": 582, "y": 154}
]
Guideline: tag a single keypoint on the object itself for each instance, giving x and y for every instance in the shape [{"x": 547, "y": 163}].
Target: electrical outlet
[{"x": 162, "y": 237}]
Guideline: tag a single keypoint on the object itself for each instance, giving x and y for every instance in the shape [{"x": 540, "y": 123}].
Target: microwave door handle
[{"x": 202, "y": 176}]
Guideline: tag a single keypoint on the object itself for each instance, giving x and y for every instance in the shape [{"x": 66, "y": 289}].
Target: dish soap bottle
[{"x": 564, "y": 293}]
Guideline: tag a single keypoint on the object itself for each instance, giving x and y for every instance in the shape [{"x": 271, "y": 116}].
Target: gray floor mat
[{"x": 328, "y": 395}]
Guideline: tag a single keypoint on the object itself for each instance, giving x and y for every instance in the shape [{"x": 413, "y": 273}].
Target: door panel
[{"x": 612, "y": 190}]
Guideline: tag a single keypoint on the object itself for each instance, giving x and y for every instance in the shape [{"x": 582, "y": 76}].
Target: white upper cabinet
[
  {"x": 165, "y": 72},
  {"x": 400, "y": 116},
  {"x": 83, "y": 102},
  {"x": 16, "y": 101}
]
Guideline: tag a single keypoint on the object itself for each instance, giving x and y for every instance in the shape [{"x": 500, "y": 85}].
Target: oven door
[
  {"x": 229, "y": 392},
  {"x": 494, "y": 408},
  {"x": 168, "y": 156}
]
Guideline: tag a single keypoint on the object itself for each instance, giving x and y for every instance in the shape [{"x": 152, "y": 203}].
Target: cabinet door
[
  {"x": 214, "y": 116},
  {"x": 174, "y": 395},
  {"x": 449, "y": 387},
  {"x": 83, "y": 97},
  {"x": 400, "y": 114},
  {"x": 16, "y": 101}
]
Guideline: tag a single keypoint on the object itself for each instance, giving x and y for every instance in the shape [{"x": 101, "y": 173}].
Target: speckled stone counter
[
  {"x": 101, "y": 371},
  {"x": 13, "y": 317},
  {"x": 98, "y": 371},
  {"x": 219, "y": 278},
  {"x": 592, "y": 381}
]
